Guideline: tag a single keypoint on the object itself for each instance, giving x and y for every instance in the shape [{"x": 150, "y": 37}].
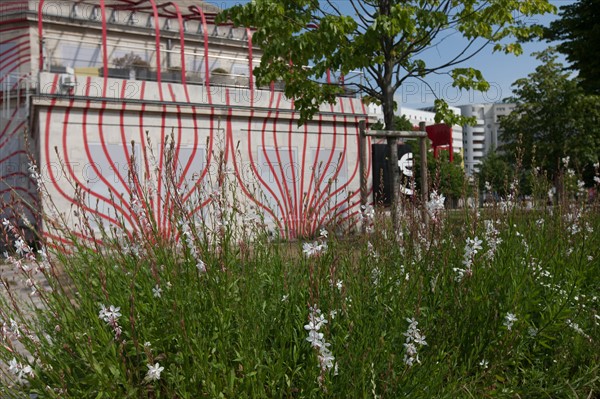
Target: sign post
[{"x": 392, "y": 137}]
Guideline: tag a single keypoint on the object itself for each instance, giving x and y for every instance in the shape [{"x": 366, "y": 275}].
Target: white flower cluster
[
  {"x": 141, "y": 213},
  {"x": 35, "y": 175},
  {"x": 315, "y": 248},
  {"x": 472, "y": 247},
  {"x": 375, "y": 276},
  {"x": 435, "y": 205},
  {"x": 153, "y": 373},
  {"x": 372, "y": 252},
  {"x": 368, "y": 217},
  {"x": 26, "y": 261},
  {"x": 508, "y": 204},
  {"x": 316, "y": 320},
  {"x": 509, "y": 320},
  {"x": 111, "y": 316},
  {"x": 492, "y": 238},
  {"x": 573, "y": 220},
  {"x": 577, "y": 329},
  {"x": 10, "y": 331},
  {"x": 20, "y": 371},
  {"x": 413, "y": 338},
  {"x": 189, "y": 240},
  {"x": 21, "y": 247},
  {"x": 597, "y": 176}
]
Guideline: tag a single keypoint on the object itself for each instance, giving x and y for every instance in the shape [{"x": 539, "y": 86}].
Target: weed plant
[{"x": 495, "y": 302}]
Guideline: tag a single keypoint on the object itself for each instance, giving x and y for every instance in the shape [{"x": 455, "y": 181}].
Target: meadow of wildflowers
[{"x": 495, "y": 302}]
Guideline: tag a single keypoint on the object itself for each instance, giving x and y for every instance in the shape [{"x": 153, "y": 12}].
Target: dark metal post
[
  {"x": 392, "y": 143},
  {"x": 362, "y": 168},
  {"x": 424, "y": 183}
]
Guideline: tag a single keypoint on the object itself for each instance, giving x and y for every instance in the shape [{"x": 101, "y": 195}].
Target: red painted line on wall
[
  {"x": 12, "y": 118},
  {"x": 281, "y": 185},
  {"x": 13, "y": 132},
  {"x": 303, "y": 197},
  {"x": 281, "y": 210},
  {"x": 258, "y": 201},
  {"x": 295, "y": 210},
  {"x": 313, "y": 185},
  {"x": 12, "y": 154},
  {"x": 15, "y": 67},
  {"x": 205, "y": 42},
  {"x": 47, "y": 146},
  {"x": 321, "y": 193},
  {"x": 10, "y": 29}
]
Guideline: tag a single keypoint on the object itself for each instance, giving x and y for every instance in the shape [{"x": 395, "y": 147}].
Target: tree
[
  {"x": 553, "y": 119},
  {"x": 303, "y": 39},
  {"x": 496, "y": 172},
  {"x": 400, "y": 123},
  {"x": 579, "y": 29}
]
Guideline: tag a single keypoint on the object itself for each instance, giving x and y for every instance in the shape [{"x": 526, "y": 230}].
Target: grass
[{"x": 224, "y": 317}]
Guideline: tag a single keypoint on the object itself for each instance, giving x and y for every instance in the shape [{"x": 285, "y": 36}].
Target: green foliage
[
  {"x": 447, "y": 178},
  {"x": 497, "y": 172},
  {"x": 400, "y": 123},
  {"x": 499, "y": 302},
  {"x": 553, "y": 119},
  {"x": 578, "y": 29},
  {"x": 237, "y": 330},
  {"x": 301, "y": 40}
]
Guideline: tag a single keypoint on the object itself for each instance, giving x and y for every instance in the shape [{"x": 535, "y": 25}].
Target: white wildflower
[
  {"x": 484, "y": 363},
  {"x": 156, "y": 291},
  {"x": 109, "y": 314},
  {"x": 435, "y": 204},
  {"x": 313, "y": 248},
  {"x": 375, "y": 276},
  {"x": 509, "y": 320},
  {"x": 154, "y": 372},
  {"x": 20, "y": 371},
  {"x": 413, "y": 338},
  {"x": 577, "y": 329},
  {"x": 532, "y": 331},
  {"x": 317, "y": 340},
  {"x": 201, "y": 266}
]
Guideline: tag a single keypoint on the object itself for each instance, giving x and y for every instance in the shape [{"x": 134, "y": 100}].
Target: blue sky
[{"x": 499, "y": 69}]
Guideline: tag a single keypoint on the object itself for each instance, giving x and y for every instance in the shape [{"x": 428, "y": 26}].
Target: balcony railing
[{"x": 175, "y": 75}]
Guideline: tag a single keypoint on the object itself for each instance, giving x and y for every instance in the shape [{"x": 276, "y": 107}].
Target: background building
[{"x": 483, "y": 137}]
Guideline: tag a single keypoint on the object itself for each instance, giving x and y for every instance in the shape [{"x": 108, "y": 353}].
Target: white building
[
  {"x": 481, "y": 138},
  {"x": 102, "y": 87}
]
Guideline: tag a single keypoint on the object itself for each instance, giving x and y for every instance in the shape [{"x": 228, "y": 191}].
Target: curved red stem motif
[{"x": 300, "y": 178}]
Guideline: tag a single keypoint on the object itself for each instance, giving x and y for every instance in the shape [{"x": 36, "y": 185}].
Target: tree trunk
[{"x": 392, "y": 143}]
